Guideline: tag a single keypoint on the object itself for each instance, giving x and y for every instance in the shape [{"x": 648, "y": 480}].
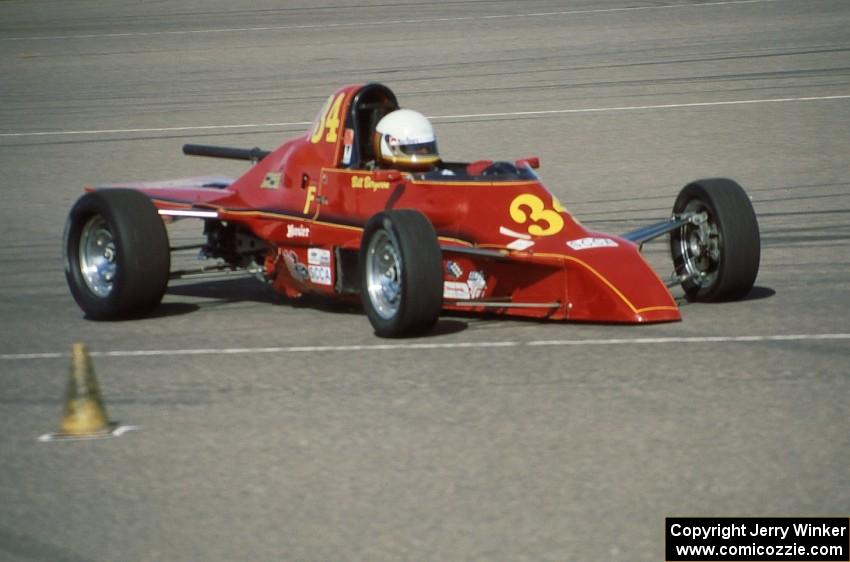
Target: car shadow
[
  {"x": 238, "y": 289},
  {"x": 167, "y": 309},
  {"x": 755, "y": 294},
  {"x": 163, "y": 310},
  {"x": 446, "y": 327},
  {"x": 758, "y": 293},
  {"x": 245, "y": 289}
]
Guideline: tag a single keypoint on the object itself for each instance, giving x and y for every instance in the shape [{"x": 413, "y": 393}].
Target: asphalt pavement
[{"x": 281, "y": 430}]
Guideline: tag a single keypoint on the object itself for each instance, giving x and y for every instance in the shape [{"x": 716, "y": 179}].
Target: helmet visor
[{"x": 419, "y": 149}]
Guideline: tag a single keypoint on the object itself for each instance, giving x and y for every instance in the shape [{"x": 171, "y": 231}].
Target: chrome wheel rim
[
  {"x": 98, "y": 257},
  {"x": 699, "y": 246},
  {"x": 383, "y": 274}
]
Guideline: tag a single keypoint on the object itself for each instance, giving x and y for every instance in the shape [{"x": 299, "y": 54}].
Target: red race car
[{"x": 362, "y": 207}]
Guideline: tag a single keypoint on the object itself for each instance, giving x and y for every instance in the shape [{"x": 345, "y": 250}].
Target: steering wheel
[{"x": 500, "y": 168}]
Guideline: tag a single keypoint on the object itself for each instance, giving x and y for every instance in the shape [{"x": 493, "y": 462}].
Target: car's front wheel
[
  {"x": 717, "y": 254},
  {"x": 401, "y": 279},
  {"x": 116, "y": 253}
]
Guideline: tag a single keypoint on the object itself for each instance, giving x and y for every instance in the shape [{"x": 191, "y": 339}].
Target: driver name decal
[{"x": 366, "y": 182}]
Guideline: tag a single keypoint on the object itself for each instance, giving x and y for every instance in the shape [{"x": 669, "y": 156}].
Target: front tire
[
  {"x": 117, "y": 257},
  {"x": 718, "y": 257},
  {"x": 401, "y": 273}
]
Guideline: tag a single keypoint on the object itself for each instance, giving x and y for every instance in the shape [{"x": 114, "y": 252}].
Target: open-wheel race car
[{"x": 321, "y": 215}]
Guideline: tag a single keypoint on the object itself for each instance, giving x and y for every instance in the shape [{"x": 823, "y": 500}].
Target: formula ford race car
[{"x": 316, "y": 216}]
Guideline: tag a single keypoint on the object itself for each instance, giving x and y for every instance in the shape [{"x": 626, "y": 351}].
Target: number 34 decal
[
  {"x": 328, "y": 120},
  {"x": 528, "y": 208}
]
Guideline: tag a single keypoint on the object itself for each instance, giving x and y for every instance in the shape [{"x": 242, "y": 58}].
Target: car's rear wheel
[
  {"x": 717, "y": 255},
  {"x": 401, "y": 280},
  {"x": 116, "y": 252}
]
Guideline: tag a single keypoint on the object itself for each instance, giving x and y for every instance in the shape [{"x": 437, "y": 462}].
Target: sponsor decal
[
  {"x": 454, "y": 269},
  {"x": 410, "y": 139},
  {"x": 319, "y": 274},
  {"x": 296, "y": 269},
  {"x": 455, "y": 290},
  {"x": 319, "y": 256},
  {"x": 297, "y": 231},
  {"x": 366, "y": 182},
  {"x": 477, "y": 284},
  {"x": 271, "y": 181},
  {"x": 347, "y": 142},
  {"x": 591, "y": 242},
  {"x": 474, "y": 288}
]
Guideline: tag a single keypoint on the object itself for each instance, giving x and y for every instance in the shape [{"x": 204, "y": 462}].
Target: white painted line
[
  {"x": 692, "y": 339},
  {"x": 156, "y": 129},
  {"x": 29, "y": 356},
  {"x": 381, "y": 23},
  {"x": 640, "y": 107},
  {"x": 302, "y": 349},
  {"x": 446, "y": 117},
  {"x": 437, "y": 346}
]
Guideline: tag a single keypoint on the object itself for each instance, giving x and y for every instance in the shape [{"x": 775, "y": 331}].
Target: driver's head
[{"x": 405, "y": 139}]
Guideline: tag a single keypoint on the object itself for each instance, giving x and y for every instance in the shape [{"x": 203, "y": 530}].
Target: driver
[{"x": 404, "y": 139}]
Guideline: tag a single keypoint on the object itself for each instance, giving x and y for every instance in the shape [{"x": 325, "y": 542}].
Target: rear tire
[
  {"x": 720, "y": 257},
  {"x": 401, "y": 273},
  {"x": 117, "y": 257}
]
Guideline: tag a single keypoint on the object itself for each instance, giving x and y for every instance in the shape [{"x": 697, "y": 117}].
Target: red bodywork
[{"x": 508, "y": 246}]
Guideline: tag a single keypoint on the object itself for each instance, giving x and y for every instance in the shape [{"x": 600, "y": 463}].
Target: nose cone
[{"x": 615, "y": 284}]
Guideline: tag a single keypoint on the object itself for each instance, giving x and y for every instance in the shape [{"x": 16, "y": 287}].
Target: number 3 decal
[
  {"x": 328, "y": 119},
  {"x": 537, "y": 213}
]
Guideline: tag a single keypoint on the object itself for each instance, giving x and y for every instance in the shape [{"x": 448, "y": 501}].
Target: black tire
[
  {"x": 118, "y": 237},
  {"x": 725, "y": 250},
  {"x": 401, "y": 273}
]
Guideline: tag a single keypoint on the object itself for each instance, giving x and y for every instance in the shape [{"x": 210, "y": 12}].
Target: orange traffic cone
[
  {"x": 84, "y": 411},
  {"x": 84, "y": 416}
]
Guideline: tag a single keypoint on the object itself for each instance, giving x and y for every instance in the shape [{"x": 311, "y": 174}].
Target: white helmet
[{"x": 406, "y": 138}]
